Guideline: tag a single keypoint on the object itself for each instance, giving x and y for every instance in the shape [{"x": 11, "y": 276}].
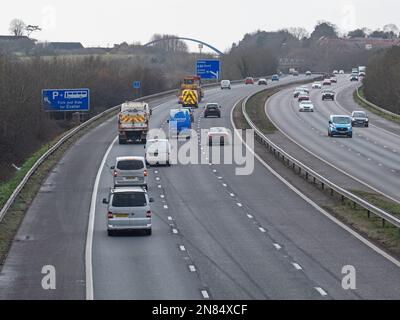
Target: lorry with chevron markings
[{"x": 133, "y": 122}]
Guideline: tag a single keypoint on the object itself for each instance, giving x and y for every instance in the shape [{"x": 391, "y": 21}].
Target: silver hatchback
[
  {"x": 128, "y": 209},
  {"x": 130, "y": 171}
]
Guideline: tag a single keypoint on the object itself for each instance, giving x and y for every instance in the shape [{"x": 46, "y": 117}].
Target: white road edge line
[
  {"x": 297, "y": 266},
  {"x": 312, "y": 203},
  {"x": 205, "y": 294},
  {"x": 89, "y": 236}
]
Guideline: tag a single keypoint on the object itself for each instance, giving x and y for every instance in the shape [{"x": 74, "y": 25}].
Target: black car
[
  {"x": 359, "y": 119},
  {"x": 212, "y": 109},
  {"x": 328, "y": 95}
]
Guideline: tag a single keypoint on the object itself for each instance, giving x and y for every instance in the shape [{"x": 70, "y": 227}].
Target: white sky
[{"x": 220, "y": 23}]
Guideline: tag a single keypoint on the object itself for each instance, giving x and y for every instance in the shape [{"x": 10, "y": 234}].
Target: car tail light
[
  {"x": 148, "y": 214},
  {"x": 115, "y": 173},
  {"x": 110, "y": 215},
  {"x": 145, "y": 173}
]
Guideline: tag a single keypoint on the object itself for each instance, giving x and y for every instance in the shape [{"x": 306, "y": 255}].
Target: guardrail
[
  {"x": 74, "y": 131},
  {"x": 375, "y": 106},
  {"x": 309, "y": 173}
]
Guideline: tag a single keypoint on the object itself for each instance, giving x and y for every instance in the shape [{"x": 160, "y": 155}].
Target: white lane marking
[
  {"x": 249, "y": 216},
  {"x": 156, "y": 172},
  {"x": 219, "y": 178},
  {"x": 158, "y": 178},
  {"x": 232, "y": 195},
  {"x": 182, "y": 248},
  {"x": 175, "y": 231},
  {"x": 159, "y": 186},
  {"x": 162, "y": 196},
  {"x": 321, "y": 291},
  {"x": 214, "y": 171},
  {"x": 192, "y": 268},
  {"x": 239, "y": 205},
  {"x": 313, "y": 204},
  {"x": 169, "y": 218},
  {"x": 225, "y": 185},
  {"x": 297, "y": 266},
  {"x": 205, "y": 294},
  {"x": 165, "y": 206},
  {"x": 262, "y": 230},
  {"x": 89, "y": 236},
  {"x": 277, "y": 246}
]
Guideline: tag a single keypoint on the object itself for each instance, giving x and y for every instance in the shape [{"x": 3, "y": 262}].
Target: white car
[
  {"x": 317, "y": 85},
  {"x": 306, "y": 106},
  {"x": 262, "y": 81},
  {"x": 158, "y": 152},
  {"x": 327, "y": 82},
  {"x": 218, "y": 135},
  {"x": 225, "y": 84}
]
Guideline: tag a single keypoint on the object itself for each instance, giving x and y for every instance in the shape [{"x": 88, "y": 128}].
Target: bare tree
[
  {"x": 299, "y": 33},
  {"x": 30, "y": 28},
  {"x": 17, "y": 27}
]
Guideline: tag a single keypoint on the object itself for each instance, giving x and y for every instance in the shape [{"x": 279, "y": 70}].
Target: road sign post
[
  {"x": 66, "y": 100},
  {"x": 208, "y": 69},
  {"x": 137, "y": 87}
]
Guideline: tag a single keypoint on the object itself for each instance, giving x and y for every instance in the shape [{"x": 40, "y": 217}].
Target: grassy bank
[{"x": 371, "y": 109}]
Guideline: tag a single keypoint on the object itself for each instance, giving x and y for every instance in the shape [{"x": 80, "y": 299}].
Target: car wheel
[
  {"x": 329, "y": 134},
  {"x": 366, "y": 125},
  {"x": 110, "y": 233},
  {"x": 148, "y": 232},
  {"x": 121, "y": 141},
  {"x": 350, "y": 135}
]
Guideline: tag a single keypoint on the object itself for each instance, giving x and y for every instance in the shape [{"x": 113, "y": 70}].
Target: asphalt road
[
  {"x": 372, "y": 156},
  {"x": 215, "y": 234}
]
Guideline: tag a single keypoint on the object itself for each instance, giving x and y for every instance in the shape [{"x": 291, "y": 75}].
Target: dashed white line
[
  {"x": 165, "y": 206},
  {"x": 192, "y": 268},
  {"x": 175, "y": 231},
  {"x": 205, "y": 294},
  {"x": 169, "y": 218},
  {"x": 262, "y": 230},
  {"x": 297, "y": 266},
  {"x": 162, "y": 196},
  {"x": 321, "y": 291},
  {"x": 239, "y": 205},
  {"x": 277, "y": 246},
  {"x": 182, "y": 248},
  {"x": 232, "y": 195},
  {"x": 249, "y": 216}
]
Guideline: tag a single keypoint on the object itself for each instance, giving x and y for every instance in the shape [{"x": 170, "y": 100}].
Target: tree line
[
  {"x": 381, "y": 85},
  {"x": 24, "y": 126}
]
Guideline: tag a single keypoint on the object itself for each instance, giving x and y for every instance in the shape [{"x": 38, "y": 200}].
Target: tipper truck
[{"x": 133, "y": 122}]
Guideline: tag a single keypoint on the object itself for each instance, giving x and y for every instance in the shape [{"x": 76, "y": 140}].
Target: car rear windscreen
[
  {"x": 130, "y": 165},
  {"x": 121, "y": 200}
]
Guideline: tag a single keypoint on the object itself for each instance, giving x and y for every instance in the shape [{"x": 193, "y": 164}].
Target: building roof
[
  {"x": 14, "y": 38},
  {"x": 66, "y": 45}
]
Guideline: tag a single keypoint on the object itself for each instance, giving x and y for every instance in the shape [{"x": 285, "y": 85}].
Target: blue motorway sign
[
  {"x": 136, "y": 85},
  {"x": 208, "y": 69},
  {"x": 66, "y": 99}
]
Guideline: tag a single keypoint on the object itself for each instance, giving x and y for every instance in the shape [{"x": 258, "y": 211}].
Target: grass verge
[
  {"x": 386, "y": 116},
  {"x": 255, "y": 110},
  {"x": 12, "y": 220}
]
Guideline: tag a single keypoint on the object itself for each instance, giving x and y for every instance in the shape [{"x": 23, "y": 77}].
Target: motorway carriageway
[
  {"x": 216, "y": 235},
  {"x": 372, "y": 156}
]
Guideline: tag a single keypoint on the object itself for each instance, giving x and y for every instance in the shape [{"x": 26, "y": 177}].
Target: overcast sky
[{"x": 220, "y": 23}]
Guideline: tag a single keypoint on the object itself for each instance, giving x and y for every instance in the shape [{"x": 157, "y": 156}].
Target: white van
[
  {"x": 158, "y": 152},
  {"x": 225, "y": 84}
]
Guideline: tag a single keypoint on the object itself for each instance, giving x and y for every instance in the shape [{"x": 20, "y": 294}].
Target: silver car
[
  {"x": 130, "y": 171},
  {"x": 128, "y": 209}
]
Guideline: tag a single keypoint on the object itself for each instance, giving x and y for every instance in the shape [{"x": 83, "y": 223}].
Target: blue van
[
  {"x": 340, "y": 125},
  {"x": 180, "y": 123}
]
